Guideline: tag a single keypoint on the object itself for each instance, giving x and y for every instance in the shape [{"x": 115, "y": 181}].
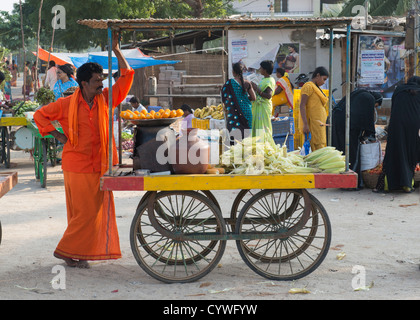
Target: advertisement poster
[
  {"x": 239, "y": 50},
  {"x": 287, "y": 57},
  {"x": 372, "y": 66},
  {"x": 381, "y": 65}
]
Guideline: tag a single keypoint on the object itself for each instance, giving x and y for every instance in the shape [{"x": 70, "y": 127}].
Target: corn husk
[{"x": 257, "y": 156}]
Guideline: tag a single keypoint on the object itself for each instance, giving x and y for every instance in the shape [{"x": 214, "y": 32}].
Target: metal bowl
[{"x": 154, "y": 122}]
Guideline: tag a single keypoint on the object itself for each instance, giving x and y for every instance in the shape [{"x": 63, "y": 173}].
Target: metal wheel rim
[
  {"x": 290, "y": 258},
  {"x": 170, "y": 260}
]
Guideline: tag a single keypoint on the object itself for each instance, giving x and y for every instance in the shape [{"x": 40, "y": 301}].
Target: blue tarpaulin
[{"x": 134, "y": 63}]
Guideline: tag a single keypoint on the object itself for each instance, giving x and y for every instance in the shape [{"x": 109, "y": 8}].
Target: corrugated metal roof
[{"x": 207, "y": 23}]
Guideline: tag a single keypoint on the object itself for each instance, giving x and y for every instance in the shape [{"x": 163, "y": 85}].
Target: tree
[
  {"x": 76, "y": 37},
  {"x": 379, "y": 7}
]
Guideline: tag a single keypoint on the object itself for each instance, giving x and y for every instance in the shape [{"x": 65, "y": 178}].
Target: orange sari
[{"x": 92, "y": 232}]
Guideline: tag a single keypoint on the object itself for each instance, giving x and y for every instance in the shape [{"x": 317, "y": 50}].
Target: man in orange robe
[{"x": 92, "y": 232}]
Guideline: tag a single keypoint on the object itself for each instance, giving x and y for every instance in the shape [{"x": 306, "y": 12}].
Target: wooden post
[{"x": 409, "y": 45}]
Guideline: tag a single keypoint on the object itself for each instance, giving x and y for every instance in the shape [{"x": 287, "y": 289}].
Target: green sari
[{"x": 261, "y": 111}]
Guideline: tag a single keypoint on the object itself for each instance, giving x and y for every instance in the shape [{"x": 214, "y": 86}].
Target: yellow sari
[
  {"x": 284, "y": 97},
  {"x": 316, "y": 113}
]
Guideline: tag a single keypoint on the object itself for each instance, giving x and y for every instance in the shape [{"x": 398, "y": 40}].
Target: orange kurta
[{"x": 92, "y": 232}]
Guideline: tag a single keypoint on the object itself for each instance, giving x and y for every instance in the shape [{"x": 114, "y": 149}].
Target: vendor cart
[
  {"x": 179, "y": 233},
  {"x": 45, "y": 149},
  {"x": 5, "y": 140},
  {"x": 7, "y": 181}
]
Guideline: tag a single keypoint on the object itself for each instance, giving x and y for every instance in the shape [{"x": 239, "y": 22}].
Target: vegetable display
[
  {"x": 44, "y": 96},
  {"x": 27, "y": 106},
  {"x": 252, "y": 156}
]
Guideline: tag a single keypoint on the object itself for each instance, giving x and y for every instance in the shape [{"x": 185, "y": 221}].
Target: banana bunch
[
  {"x": 327, "y": 159},
  {"x": 216, "y": 112}
]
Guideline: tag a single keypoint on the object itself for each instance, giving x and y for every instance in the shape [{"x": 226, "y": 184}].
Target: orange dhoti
[{"x": 92, "y": 232}]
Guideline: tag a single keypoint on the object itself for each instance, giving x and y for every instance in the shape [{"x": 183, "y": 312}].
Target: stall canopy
[{"x": 135, "y": 58}]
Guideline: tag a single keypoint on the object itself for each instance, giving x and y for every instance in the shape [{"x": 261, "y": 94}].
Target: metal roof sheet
[{"x": 219, "y": 23}]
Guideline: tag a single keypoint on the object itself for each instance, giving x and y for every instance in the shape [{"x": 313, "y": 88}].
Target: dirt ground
[{"x": 377, "y": 234}]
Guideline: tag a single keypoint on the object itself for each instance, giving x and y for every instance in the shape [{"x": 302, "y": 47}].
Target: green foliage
[
  {"x": 379, "y": 7},
  {"x": 44, "y": 96},
  {"x": 76, "y": 37}
]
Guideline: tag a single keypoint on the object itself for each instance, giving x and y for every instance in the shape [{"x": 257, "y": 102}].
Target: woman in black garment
[
  {"x": 402, "y": 151},
  {"x": 362, "y": 125}
]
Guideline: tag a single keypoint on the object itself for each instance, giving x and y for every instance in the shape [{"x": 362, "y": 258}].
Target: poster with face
[
  {"x": 381, "y": 64},
  {"x": 287, "y": 57}
]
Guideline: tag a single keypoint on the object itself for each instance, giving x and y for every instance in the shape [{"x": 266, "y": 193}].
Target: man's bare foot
[
  {"x": 70, "y": 262},
  {"x": 83, "y": 264}
]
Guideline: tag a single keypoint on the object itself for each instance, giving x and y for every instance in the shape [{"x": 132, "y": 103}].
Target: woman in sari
[
  {"x": 313, "y": 108},
  {"x": 237, "y": 95},
  {"x": 14, "y": 72},
  {"x": 402, "y": 151},
  {"x": 28, "y": 84},
  {"x": 262, "y": 106},
  {"x": 284, "y": 90},
  {"x": 64, "y": 80}
]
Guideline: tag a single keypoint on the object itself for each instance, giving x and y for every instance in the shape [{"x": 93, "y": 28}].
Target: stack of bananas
[
  {"x": 327, "y": 159},
  {"x": 216, "y": 112}
]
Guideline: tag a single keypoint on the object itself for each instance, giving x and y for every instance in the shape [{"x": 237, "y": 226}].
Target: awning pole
[
  {"x": 330, "y": 87},
  {"x": 111, "y": 124},
  {"x": 347, "y": 137}
]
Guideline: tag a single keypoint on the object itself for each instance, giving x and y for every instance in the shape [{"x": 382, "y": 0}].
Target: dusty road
[{"x": 379, "y": 235}]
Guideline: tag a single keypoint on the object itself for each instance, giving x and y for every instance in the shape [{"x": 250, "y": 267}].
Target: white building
[{"x": 290, "y": 8}]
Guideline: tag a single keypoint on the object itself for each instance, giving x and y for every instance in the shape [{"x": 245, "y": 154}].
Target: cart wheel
[
  {"x": 303, "y": 239},
  {"x": 241, "y": 198},
  {"x": 37, "y": 155},
  {"x": 178, "y": 213},
  {"x": 52, "y": 151},
  {"x": 5, "y": 146},
  {"x": 207, "y": 193},
  {"x": 42, "y": 164}
]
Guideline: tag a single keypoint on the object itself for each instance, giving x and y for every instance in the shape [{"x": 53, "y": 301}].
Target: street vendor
[
  {"x": 92, "y": 232},
  {"x": 188, "y": 116}
]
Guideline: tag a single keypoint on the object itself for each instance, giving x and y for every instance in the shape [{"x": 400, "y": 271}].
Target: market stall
[
  {"x": 178, "y": 233},
  {"x": 6, "y": 124}
]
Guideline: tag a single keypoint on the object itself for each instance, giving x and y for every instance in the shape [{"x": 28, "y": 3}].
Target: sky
[{"x": 7, "y": 5}]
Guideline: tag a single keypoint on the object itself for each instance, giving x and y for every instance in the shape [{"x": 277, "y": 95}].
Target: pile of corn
[
  {"x": 253, "y": 157},
  {"x": 327, "y": 159}
]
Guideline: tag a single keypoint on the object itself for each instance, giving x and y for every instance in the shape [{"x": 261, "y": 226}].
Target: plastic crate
[
  {"x": 200, "y": 123},
  {"x": 281, "y": 138},
  {"x": 155, "y": 108},
  {"x": 217, "y": 124},
  {"x": 283, "y": 126}
]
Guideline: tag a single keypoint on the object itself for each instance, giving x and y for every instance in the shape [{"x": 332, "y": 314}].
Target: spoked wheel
[
  {"x": 5, "y": 146},
  {"x": 286, "y": 242},
  {"x": 37, "y": 154},
  {"x": 176, "y": 242},
  {"x": 42, "y": 164}
]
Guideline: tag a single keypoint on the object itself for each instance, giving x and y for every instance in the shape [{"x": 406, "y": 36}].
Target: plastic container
[{"x": 155, "y": 108}]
